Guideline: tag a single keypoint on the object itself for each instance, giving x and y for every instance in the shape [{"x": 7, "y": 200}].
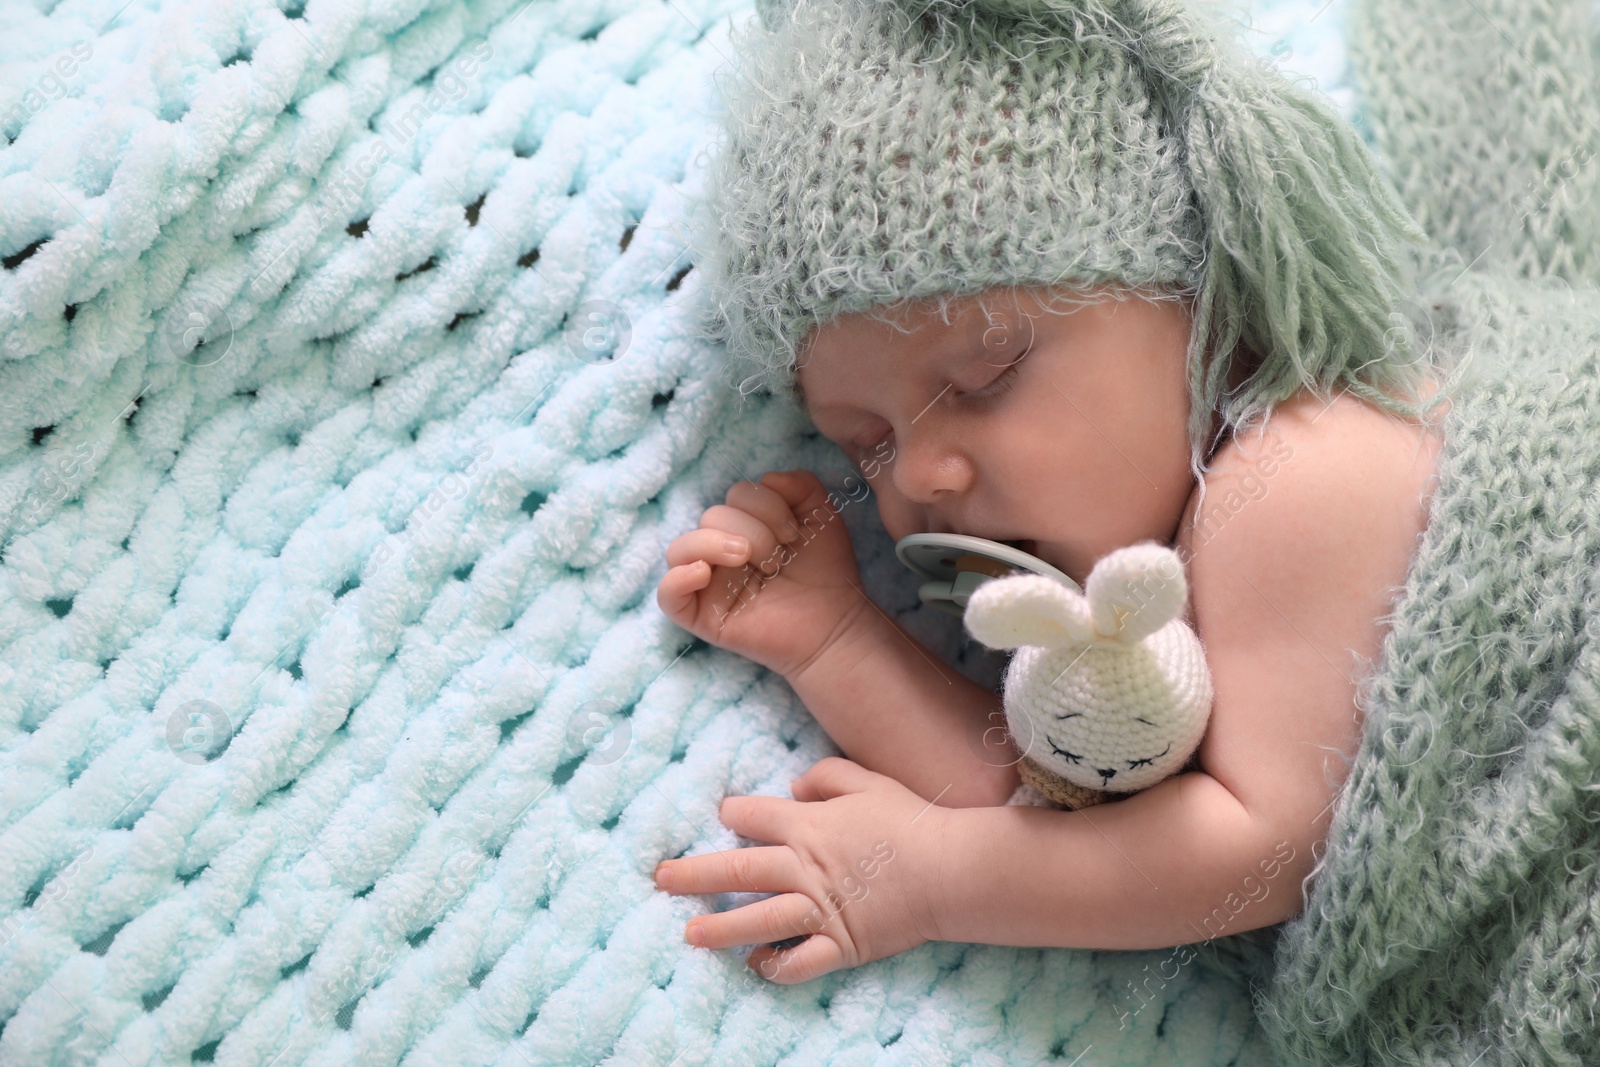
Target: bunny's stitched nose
[{"x": 1105, "y": 775}]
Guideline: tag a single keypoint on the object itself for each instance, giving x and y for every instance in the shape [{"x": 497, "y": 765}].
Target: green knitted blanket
[{"x": 1454, "y": 916}]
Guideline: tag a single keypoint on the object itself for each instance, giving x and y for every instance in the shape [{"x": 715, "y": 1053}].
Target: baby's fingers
[
  {"x": 679, "y": 587},
  {"x": 802, "y": 495},
  {"x": 760, "y": 869},
  {"x": 711, "y": 545},
  {"x": 729, "y": 520},
  {"x": 773, "y": 919},
  {"x": 817, "y": 955},
  {"x": 762, "y": 500}
]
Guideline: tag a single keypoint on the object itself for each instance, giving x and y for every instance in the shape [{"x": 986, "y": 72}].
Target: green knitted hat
[{"x": 878, "y": 151}]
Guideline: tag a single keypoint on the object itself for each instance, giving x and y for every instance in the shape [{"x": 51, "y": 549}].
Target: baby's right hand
[{"x": 784, "y": 594}]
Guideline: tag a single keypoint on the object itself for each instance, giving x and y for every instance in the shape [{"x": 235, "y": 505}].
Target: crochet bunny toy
[{"x": 1109, "y": 691}]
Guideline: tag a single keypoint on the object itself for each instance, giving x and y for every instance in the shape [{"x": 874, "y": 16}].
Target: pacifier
[{"x": 956, "y": 564}]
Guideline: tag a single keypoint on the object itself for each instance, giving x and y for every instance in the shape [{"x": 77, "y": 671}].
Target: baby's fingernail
[
  {"x": 695, "y": 933},
  {"x": 664, "y": 876},
  {"x": 735, "y": 545}
]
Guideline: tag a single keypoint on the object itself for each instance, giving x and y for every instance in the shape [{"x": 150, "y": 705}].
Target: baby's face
[{"x": 1064, "y": 429}]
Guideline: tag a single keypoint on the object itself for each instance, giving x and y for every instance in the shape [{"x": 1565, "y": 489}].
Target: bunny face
[
  {"x": 1107, "y": 716},
  {"x": 1110, "y": 690}
]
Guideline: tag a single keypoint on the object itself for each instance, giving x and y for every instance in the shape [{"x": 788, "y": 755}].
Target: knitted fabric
[
  {"x": 883, "y": 152},
  {"x": 338, "y": 723},
  {"x": 1108, "y": 689},
  {"x": 401, "y": 526},
  {"x": 891, "y": 161},
  {"x": 1454, "y": 917},
  {"x": 1042, "y": 788}
]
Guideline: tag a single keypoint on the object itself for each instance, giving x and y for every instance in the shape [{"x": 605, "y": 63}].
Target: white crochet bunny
[{"x": 1109, "y": 691}]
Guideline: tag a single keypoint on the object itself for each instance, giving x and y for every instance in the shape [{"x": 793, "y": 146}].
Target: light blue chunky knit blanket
[{"x": 347, "y": 405}]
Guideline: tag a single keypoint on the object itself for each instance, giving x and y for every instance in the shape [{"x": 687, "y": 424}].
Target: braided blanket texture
[{"x": 347, "y": 406}]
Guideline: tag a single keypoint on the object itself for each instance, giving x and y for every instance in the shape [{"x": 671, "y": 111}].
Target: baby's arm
[
  {"x": 1288, "y": 587},
  {"x": 894, "y": 708},
  {"x": 1179, "y": 862},
  {"x": 790, "y": 598}
]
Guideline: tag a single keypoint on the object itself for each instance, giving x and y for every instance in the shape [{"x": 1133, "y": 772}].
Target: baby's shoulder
[
  {"x": 1314, "y": 461},
  {"x": 1294, "y": 562},
  {"x": 1317, "y": 508}
]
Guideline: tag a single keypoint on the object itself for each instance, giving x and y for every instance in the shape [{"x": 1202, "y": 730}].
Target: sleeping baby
[{"x": 1072, "y": 291}]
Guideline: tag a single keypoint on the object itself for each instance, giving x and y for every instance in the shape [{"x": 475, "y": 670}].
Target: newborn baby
[
  {"x": 1062, "y": 432},
  {"x": 1012, "y": 256}
]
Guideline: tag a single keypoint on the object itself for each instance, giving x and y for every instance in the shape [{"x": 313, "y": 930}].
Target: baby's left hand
[{"x": 856, "y": 861}]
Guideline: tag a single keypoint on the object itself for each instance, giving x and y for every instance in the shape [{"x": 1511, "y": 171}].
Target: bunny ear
[
  {"x": 1135, "y": 591},
  {"x": 1027, "y": 609}
]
